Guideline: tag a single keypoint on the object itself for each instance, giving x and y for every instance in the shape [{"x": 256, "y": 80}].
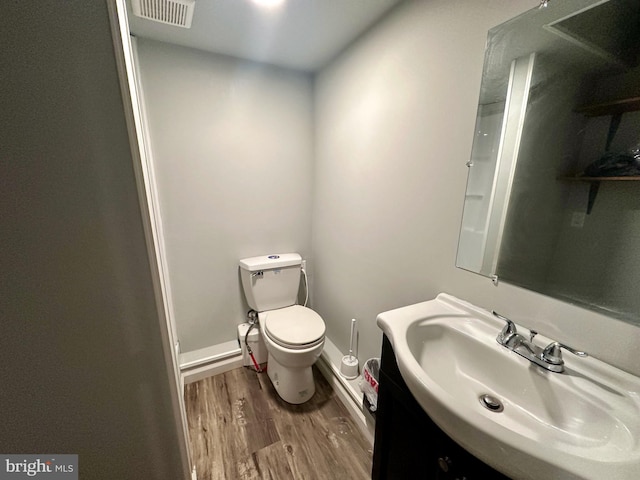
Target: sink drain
[{"x": 491, "y": 403}]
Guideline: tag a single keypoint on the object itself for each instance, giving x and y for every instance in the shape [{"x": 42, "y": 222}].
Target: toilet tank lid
[{"x": 266, "y": 262}]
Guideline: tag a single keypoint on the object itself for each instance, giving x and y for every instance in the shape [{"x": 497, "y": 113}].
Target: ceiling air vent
[{"x": 172, "y": 12}]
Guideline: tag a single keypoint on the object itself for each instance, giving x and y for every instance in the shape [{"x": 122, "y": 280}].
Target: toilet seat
[{"x": 295, "y": 327}]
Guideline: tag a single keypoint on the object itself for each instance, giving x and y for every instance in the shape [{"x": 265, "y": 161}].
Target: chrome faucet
[
  {"x": 509, "y": 331},
  {"x": 549, "y": 358}
]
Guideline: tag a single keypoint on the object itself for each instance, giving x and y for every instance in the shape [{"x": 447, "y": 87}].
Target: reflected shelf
[
  {"x": 600, "y": 179},
  {"x": 616, "y": 107},
  {"x": 595, "y": 184}
]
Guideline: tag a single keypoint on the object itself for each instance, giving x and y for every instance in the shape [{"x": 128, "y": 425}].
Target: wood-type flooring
[{"x": 241, "y": 429}]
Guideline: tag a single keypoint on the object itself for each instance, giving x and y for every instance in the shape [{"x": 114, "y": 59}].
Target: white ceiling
[{"x": 300, "y": 34}]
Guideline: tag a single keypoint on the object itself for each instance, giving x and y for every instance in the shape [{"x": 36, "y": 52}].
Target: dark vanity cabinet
[{"x": 408, "y": 445}]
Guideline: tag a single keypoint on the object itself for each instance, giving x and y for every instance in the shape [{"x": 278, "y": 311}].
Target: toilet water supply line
[
  {"x": 306, "y": 286},
  {"x": 252, "y": 315}
]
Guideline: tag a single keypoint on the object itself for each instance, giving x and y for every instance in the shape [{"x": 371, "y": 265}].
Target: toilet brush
[{"x": 349, "y": 366}]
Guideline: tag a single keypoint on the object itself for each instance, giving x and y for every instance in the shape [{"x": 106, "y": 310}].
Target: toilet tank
[{"x": 271, "y": 281}]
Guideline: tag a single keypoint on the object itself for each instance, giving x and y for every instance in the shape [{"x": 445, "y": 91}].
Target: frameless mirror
[{"x": 553, "y": 194}]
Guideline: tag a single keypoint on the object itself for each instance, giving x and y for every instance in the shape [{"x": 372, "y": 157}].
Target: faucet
[
  {"x": 509, "y": 331},
  {"x": 549, "y": 357}
]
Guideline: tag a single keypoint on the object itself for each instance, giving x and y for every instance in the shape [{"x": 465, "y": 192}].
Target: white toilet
[{"x": 293, "y": 334}]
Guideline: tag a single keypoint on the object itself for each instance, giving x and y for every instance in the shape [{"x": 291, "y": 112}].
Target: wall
[
  {"x": 394, "y": 128},
  {"x": 232, "y": 145},
  {"x": 83, "y": 370}
]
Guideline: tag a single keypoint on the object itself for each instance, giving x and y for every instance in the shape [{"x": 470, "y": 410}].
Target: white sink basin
[{"x": 580, "y": 424}]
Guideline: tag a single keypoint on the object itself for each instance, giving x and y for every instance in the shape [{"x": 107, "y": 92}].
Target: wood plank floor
[{"x": 241, "y": 429}]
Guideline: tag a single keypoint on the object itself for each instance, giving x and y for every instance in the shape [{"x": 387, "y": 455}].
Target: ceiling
[{"x": 300, "y": 34}]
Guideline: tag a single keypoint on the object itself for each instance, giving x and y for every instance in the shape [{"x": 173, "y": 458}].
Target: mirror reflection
[{"x": 553, "y": 194}]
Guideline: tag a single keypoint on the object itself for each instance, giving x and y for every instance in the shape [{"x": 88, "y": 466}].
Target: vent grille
[{"x": 172, "y": 12}]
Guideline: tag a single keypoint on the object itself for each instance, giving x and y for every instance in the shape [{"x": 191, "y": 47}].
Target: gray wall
[
  {"x": 394, "y": 127},
  {"x": 83, "y": 370},
  {"x": 393, "y": 120},
  {"x": 232, "y": 145}
]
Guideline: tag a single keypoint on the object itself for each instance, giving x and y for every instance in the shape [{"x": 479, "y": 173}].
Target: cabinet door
[
  {"x": 408, "y": 444},
  {"x": 403, "y": 446}
]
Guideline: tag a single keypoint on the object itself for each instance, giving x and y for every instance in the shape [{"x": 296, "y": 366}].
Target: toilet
[{"x": 293, "y": 334}]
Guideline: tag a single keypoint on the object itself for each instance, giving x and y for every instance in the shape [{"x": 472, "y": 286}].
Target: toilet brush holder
[{"x": 349, "y": 367}]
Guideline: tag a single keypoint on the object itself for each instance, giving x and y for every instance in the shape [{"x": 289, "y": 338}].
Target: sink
[{"x": 580, "y": 424}]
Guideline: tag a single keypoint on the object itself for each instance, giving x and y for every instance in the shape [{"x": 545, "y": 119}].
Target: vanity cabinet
[{"x": 408, "y": 445}]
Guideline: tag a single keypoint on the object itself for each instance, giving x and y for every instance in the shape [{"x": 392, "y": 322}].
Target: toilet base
[{"x": 293, "y": 384}]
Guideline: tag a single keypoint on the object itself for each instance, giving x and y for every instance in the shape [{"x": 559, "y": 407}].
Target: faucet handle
[
  {"x": 508, "y": 331},
  {"x": 553, "y": 353}
]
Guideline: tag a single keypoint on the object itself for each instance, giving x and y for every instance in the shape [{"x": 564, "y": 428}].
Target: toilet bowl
[
  {"x": 294, "y": 337},
  {"x": 293, "y": 334}
]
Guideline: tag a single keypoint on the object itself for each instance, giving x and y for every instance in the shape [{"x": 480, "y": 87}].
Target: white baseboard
[
  {"x": 198, "y": 373},
  {"x": 348, "y": 391},
  {"x": 206, "y": 362},
  {"x": 207, "y": 355}
]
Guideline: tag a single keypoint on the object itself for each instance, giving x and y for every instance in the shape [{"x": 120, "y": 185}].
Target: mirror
[{"x": 553, "y": 194}]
